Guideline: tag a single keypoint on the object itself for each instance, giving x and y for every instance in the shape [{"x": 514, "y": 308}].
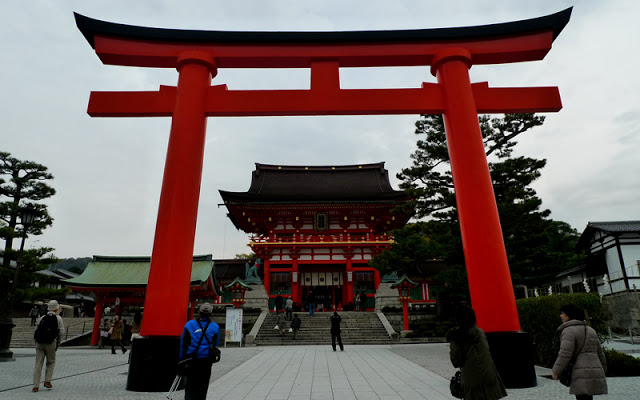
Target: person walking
[
  {"x": 136, "y": 326},
  {"x": 311, "y": 300},
  {"x": 335, "y": 331},
  {"x": 116, "y": 334},
  {"x": 288, "y": 306},
  {"x": 34, "y": 314},
  {"x": 356, "y": 301},
  {"x": 363, "y": 301},
  {"x": 47, "y": 344},
  {"x": 296, "y": 323},
  {"x": 580, "y": 343},
  {"x": 279, "y": 301},
  {"x": 197, "y": 337},
  {"x": 469, "y": 351},
  {"x": 104, "y": 332}
]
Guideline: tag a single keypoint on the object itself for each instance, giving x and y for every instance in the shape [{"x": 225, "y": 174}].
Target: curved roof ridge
[{"x": 91, "y": 27}]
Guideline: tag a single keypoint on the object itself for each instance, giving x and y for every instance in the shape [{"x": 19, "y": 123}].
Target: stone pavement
[{"x": 410, "y": 371}]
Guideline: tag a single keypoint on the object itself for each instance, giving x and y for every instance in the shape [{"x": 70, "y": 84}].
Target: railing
[
  {"x": 339, "y": 238},
  {"x": 66, "y": 335}
]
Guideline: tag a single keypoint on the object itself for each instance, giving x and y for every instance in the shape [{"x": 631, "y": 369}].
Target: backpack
[{"x": 47, "y": 330}]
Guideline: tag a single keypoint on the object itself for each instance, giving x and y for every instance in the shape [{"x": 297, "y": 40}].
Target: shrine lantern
[
  {"x": 238, "y": 288},
  {"x": 404, "y": 286}
]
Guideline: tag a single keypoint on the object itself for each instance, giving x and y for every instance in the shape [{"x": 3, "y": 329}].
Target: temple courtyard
[{"x": 408, "y": 371}]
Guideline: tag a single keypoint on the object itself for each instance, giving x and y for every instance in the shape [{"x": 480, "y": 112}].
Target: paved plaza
[{"x": 410, "y": 371}]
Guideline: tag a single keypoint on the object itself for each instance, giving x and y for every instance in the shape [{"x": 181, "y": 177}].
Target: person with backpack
[
  {"x": 295, "y": 325},
  {"x": 199, "y": 341},
  {"x": 48, "y": 336}
]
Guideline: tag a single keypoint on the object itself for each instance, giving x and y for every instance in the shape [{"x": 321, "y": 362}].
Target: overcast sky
[{"x": 108, "y": 171}]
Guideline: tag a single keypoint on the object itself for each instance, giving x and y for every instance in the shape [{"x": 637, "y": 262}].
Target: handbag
[
  {"x": 110, "y": 330},
  {"x": 455, "y": 386},
  {"x": 565, "y": 375}
]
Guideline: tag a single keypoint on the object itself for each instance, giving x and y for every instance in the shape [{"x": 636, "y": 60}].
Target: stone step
[
  {"x": 356, "y": 328},
  {"x": 22, "y": 334}
]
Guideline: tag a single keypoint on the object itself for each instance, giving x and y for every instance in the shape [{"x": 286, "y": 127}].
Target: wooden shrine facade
[
  {"x": 121, "y": 282},
  {"x": 314, "y": 229}
]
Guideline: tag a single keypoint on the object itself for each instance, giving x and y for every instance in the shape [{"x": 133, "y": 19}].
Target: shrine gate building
[{"x": 314, "y": 229}]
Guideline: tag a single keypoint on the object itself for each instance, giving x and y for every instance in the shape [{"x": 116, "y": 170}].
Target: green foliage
[
  {"x": 621, "y": 364},
  {"x": 538, "y": 247},
  {"x": 41, "y": 294},
  {"x": 244, "y": 256},
  {"x": 430, "y": 328},
  {"x": 540, "y": 317}
]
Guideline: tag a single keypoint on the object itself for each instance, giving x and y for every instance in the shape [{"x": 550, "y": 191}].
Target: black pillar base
[
  {"x": 152, "y": 367},
  {"x": 512, "y": 352},
  {"x": 6, "y": 328}
]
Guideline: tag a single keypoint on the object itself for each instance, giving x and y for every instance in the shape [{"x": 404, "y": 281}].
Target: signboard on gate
[{"x": 233, "y": 326}]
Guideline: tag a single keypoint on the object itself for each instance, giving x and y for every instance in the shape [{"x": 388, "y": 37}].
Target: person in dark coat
[
  {"x": 469, "y": 351},
  {"x": 295, "y": 325},
  {"x": 311, "y": 299},
  {"x": 363, "y": 301},
  {"x": 279, "y": 301},
  {"x": 588, "y": 377},
  {"x": 335, "y": 331}
]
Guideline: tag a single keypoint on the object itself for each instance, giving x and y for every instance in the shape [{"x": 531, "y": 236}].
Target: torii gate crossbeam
[{"x": 449, "y": 52}]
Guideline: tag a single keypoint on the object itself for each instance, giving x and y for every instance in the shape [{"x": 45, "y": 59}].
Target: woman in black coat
[{"x": 470, "y": 352}]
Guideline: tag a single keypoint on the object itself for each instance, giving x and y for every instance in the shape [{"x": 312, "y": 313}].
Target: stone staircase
[
  {"x": 22, "y": 335},
  {"x": 357, "y": 328}
]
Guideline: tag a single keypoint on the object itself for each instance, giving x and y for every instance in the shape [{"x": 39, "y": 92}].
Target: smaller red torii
[{"x": 450, "y": 52}]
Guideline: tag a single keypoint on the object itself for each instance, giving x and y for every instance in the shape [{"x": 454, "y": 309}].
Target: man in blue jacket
[{"x": 198, "y": 335}]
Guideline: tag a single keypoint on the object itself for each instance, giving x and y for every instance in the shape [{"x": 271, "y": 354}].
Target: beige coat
[{"x": 588, "y": 377}]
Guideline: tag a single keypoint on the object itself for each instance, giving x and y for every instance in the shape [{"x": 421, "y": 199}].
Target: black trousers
[
  {"x": 198, "y": 380},
  {"x": 584, "y": 397},
  {"x": 118, "y": 342},
  {"x": 334, "y": 337}
]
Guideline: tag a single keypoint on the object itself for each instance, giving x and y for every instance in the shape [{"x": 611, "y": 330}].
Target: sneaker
[
  {"x": 35, "y": 389},
  {"x": 48, "y": 385},
  {"x": 124, "y": 351}
]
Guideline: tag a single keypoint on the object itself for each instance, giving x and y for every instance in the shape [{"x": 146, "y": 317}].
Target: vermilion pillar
[
  {"x": 485, "y": 256},
  {"x": 97, "y": 318},
  {"x": 172, "y": 257}
]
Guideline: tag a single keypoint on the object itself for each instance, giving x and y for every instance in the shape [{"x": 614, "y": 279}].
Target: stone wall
[
  {"x": 625, "y": 310},
  {"x": 256, "y": 298},
  {"x": 396, "y": 321},
  {"x": 386, "y": 297}
]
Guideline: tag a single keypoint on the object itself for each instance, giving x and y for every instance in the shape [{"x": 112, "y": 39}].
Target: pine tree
[{"x": 537, "y": 247}]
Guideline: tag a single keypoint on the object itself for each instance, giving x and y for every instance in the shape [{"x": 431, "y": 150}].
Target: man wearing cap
[
  {"x": 48, "y": 350},
  {"x": 198, "y": 335}
]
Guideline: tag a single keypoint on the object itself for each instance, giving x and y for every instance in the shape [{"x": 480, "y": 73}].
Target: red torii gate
[{"x": 197, "y": 55}]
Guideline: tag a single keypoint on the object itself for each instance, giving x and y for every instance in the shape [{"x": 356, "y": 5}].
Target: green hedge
[
  {"x": 540, "y": 317},
  {"x": 430, "y": 328},
  {"x": 621, "y": 364}
]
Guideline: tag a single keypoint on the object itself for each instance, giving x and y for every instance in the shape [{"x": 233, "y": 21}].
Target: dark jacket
[
  {"x": 191, "y": 336},
  {"x": 296, "y": 322},
  {"x": 470, "y": 351},
  {"x": 335, "y": 323},
  {"x": 588, "y": 377}
]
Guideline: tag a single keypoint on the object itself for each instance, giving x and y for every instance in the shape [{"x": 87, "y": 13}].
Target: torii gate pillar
[{"x": 197, "y": 54}]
